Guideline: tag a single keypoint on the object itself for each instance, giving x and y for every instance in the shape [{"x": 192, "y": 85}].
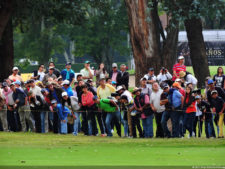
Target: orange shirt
[{"x": 87, "y": 99}]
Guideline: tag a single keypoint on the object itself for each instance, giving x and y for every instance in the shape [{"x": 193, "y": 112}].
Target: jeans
[
  {"x": 189, "y": 122},
  {"x": 175, "y": 116},
  {"x": 159, "y": 130},
  {"x": 76, "y": 124},
  {"x": 136, "y": 123},
  {"x": 108, "y": 121},
  {"x": 181, "y": 124},
  {"x": 198, "y": 121},
  {"x": 64, "y": 129},
  {"x": 11, "y": 116},
  {"x": 148, "y": 126},
  {"x": 100, "y": 119},
  {"x": 44, "y": 122},
  {"x": 165, "y": 118},
  {"x": 209, "y": 128}
]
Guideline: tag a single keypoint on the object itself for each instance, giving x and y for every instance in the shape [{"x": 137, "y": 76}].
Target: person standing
[
  {"x": 164, "y": 75},
  {"x": 219, "y": 78},
  {"x": 157, "y": 108},
  {"x": 113, "y": 74},
  {"x": 3, "y": 112},
  {"x": 39, "y": 74},
  {"x": 178, "y": 67},
  {"x": 101, "y": 73},
  {"x": 15, "y": 76},
  {"x": 176, "y": 100},
  {"x": 56, "y": 72},
  {"x": 66, "y": 87},
  {"x": 87, "y": 72},
  {"x": 123, "y": 77},
  {"x": 145, "y": 88},
  {"x": 21, "y": 103},
  {"x": 151, "y": 78},
  {"x": 188, "y": 78},
  {"x": 68, "y": 73},
  {"x": 49, "y": 75}
]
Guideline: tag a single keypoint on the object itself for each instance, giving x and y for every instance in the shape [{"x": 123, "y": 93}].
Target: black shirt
[
  {"x": 220, "y": 91},
  {"x": 205, "y": 106},
  {"x": 164, "y": 96},
  {"x": 219, "y": 80},
  {"x": 218, "y": 104}
]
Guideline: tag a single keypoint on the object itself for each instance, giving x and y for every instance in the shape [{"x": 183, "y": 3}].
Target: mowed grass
[{"x": 31, "y": 149}]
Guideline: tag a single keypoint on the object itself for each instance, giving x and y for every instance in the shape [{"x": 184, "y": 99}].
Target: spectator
[
  {"x": 145, "y": 88},
  {"x": 34, "y": 88},
  {"x": 164, "y": 75},
  {"x": 21, "y": 103},
  {"x": 108, "y": 81},
  {"x": 79, "y": 77},
  {"x": 123, "y": 77},
  {"x": 49, "y": 75},
  {"x": 101, "y": 73},
  {"x": 219, "y": 78},
  {"x": 188, "y": 78},
  {"x": 39, "y": 74},
  {"x": 176, "y": 100},
  {"x": 87, "y": 72},
  {"x": 181, "y": 90},
  {"x": 66, "y": 87},
  {"x": 15, "y": 76},
  {"x": 178, "y": 67},
  {"x": 142, "y": 106},
  {"x": 157, "y": 108},
  {"x": 56, "y": 72},
  {"x": 68, "y": 73},
  {"x": 151, "y": 78},
  {"x": 218, "y": 105},
  {"x": 113, "y": 74},
  {"x": 104, "y": 90},
  {"x": 3, "y": 112},
  {"x": 190, "y": 111},
  {"x": 167, "y": 113}
]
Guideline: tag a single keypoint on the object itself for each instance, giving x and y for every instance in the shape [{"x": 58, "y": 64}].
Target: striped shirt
[{"x": 177, "y": 67}]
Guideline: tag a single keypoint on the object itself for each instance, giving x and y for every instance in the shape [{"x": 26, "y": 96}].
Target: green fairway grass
[{"x": 30, "y": 149}]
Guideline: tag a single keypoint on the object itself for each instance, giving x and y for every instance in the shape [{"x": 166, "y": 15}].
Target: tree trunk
[
  {"x": 6, "y": 52},
  {"x": 144, "y": 37},
  {"x": 197, "y": 49},
  {"x": 169, "y": 51},
  {"x": 5, "y": 14}
]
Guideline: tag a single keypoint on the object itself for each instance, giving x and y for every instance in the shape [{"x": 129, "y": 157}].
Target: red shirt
[
  {"x": 87, "y": 99},
  {"x": 177, "y": 67}
]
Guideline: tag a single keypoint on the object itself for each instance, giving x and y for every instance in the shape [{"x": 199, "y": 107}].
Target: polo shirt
[{"x": 105, "y": 105}]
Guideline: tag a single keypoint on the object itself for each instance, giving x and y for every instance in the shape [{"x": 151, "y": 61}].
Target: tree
[{"x": 145, "y": 32}]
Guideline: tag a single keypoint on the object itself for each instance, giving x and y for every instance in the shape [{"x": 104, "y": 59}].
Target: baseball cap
[
  {"x": 68, "y": 63},
  {"x": 197, "y": 97},
  {"x": 210, "y": 81},
  {"x": 87, "y": 62},
  {"x": 151, "y": 69},
  {"x": 17, "y": 82},
  {"x": 119, "y": 88},
  {"x": 165, "y": 86},
  {"x": 213, "y": 92},
  {"x": 114, "y": 65},
  {"x": 53, "y": 101},
  {"x": 178, "y": 80},
  {"x": 51, "y": 67},
  {"x": 180, "y": 57},
  {"x": 176, "y": 84},
  {"x": 143, "y": 78},
  {"x": 15, "y": 68},
  {"x": 4, "y": 84},
  {"x": 66, "y": 82},
  {"x": 95, "y": 97},
  {"x": 43, "y": 90},
  {"x": 64, "y": 94},
  {"x": 113, "y": 82}
]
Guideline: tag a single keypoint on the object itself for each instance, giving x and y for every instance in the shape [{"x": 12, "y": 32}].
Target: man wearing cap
[
  {"x": 176, "y": 100},
  {"x": 68, "y": 73},
  {"x": 157, "y": 108},
  {"x": 212, "y": 87},
  {"x": 66, "y": 87},
  {"x": 123, "y": 77},
  {"x": 178, "y": 67},
  {"x": 218, "y": 105},
  {"x": 113, "y": 74},
  {"x": 188, "y": 78},
  {"x": 150, "y": 76},
  {"x": 55, "y": 72},
  {"x": 3, "y": 112},
  {"x": 21, "y": 103},
  {"x": 87, "y": 72},
  {"x": 48, "y": 75},
  {"x": 164, "y": 75},
  {"x": 15, "y": 76},
  {"x": 145, "y": 88},
  {"x": 181, "y": 90},
  {"x": 34, "y": 88}
]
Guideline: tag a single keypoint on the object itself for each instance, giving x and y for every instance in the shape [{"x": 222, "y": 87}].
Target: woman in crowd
[
  {"x": 101, "y": 73},
  {"x": 219, "y": 78}
]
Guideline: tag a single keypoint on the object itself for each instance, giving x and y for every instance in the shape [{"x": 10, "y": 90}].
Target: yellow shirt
[{"x": 106, "y": 92}]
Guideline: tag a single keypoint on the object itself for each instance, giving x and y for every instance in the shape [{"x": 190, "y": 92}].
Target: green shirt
[{"x": 106, "y": 106}]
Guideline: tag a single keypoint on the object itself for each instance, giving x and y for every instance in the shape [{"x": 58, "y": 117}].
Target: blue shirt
[
  {"x": 176, "y": 98},
  {"x": 69, "y": 91},
  {"x": 62, "y": 111},
  {"x": 67, "y": 75}
]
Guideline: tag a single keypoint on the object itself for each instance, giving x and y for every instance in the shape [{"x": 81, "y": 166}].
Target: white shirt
[
  {"x": 191, "y": 79},
  {"x": 85, "y": 73},
  {"x": 155, "y": 100},
  {"x": 129, "y": 96},
  {"x": 36, "y": 90},
  {"x": 163, "y": 77},
  {"x": 148, "y": 77},
  {"x": 42, "y": 74}
]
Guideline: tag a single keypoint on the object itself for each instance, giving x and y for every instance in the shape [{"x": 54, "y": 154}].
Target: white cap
[
  {"x": 178, "y": 80},
  {"x": 64, "y": 94},
  {"x": 114, "y": 65},
  {"x": 180, "y": 57},
  {"x": 15, "y": 68},
  {"x": 66, "y": 82},
  {"x": 119, "y": 88}
]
